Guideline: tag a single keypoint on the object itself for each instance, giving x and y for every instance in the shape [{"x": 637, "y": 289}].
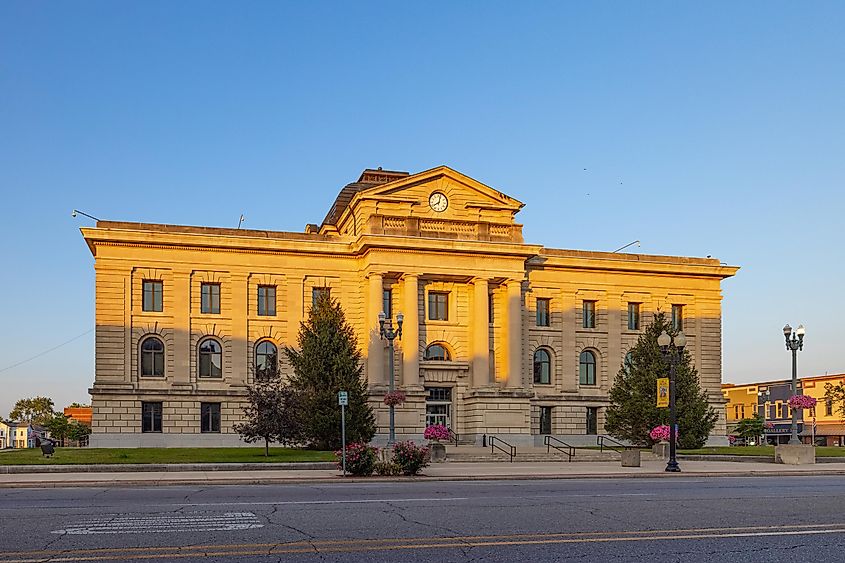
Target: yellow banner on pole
[{"x": 663, "y": 392}]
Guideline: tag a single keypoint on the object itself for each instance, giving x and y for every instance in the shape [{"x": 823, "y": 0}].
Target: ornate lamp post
[
  {"x": 794, "y": 342},
  {"x": 388, "y": 332},
  {"x": 672, "y": 348}
]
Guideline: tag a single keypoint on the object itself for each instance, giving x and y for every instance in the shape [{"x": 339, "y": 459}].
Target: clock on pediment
[{"x": 438, "y": 202}]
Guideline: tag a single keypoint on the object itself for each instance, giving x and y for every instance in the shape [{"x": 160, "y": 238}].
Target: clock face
[{"x": 438, "y": 202}]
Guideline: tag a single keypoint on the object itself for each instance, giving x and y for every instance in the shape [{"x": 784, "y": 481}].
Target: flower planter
[
  {"x": 661, "y": 450},
  {"x": 438, "y": 451}
]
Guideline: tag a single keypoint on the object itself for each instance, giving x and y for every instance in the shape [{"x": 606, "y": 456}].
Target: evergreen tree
[
  {"x": 270, "y": 414},
  {"x": 326, "y": 362},
  {"x": 633, "y": 396}
]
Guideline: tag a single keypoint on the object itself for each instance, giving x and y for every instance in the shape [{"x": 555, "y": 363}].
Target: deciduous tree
[{"x": 38, "y": 410}]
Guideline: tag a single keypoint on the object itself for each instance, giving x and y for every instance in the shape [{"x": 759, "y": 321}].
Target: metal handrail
[
  {"x": 618, "y": 447},
  {"x": 563, "y": 447},
  {"x": 511, "y": 451},
  {"x": 453, "y": 436}
]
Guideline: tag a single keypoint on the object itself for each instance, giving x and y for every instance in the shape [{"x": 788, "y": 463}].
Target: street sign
[
  {"x": 343, "y": 400},
  {"x": 663, "y": 392}
]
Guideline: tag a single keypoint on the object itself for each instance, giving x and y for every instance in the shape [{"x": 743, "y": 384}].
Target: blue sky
[{"x": 713, "y": 128}]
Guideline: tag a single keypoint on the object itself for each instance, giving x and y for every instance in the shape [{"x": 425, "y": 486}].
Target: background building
[
  {"x": 500, "y": 337},
  {"x": 769, "y": 400}
]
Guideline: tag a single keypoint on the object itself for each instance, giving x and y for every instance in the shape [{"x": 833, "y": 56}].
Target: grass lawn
[
  {"x": 92, "y": 456},
  {"x": 821, "y": 451}
]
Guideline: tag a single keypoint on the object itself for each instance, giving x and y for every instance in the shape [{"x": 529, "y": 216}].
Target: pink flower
[
  {"x": 801, "y": 402},
  {"x": 436, "y": 432},
  {"x": 661, "y": 433},
  {"x": 394, "y": 398}
]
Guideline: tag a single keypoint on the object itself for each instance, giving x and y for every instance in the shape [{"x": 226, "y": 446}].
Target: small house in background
[{"x": 21, "y": 434}]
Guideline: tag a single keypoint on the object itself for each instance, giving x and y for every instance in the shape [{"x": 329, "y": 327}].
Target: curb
[
  {"x": 164, "y": 467},
  {"x": 420, "y": 478}
]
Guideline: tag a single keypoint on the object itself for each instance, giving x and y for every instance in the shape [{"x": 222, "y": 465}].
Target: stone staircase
[{"x": 526, "y": 454}]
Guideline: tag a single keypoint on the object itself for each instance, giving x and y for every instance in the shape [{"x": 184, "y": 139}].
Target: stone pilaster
[
  {"x": 181, "y": 303},
  {"x": 240, "y": 336}
]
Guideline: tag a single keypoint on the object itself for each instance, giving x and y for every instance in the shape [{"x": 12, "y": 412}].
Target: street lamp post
[
  {"x": 672, "y": 348},
  {"x": 390, "y": 334},
  {"x": 794, "y": 342}
]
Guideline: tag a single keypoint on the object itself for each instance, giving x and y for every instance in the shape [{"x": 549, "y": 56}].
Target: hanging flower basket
[
  {"x": 394, "y": 398},
  {"x": 661, "y": 433},
  {"x": 801, "y": 402}
]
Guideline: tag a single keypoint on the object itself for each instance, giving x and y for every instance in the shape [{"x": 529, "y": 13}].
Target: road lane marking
[
  {"x": 162, "y": 523},
  {"x": 461, "y": 544},
  {"x": 375, "y": 544}
]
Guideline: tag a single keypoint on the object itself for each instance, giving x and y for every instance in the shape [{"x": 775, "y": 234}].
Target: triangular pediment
[
  {"x": 439, "y": 200},
  {"x": 459, "y": 189}
]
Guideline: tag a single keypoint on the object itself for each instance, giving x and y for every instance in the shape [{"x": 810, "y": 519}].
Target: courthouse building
[{"x": 500, "y": 337}]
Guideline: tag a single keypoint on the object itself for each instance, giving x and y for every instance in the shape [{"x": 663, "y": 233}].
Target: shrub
[
  {"x": 410, "y": 457},
  {"x": 436, "y": 432},
  {"x": 360, "y": 459},
  {"x": 387, "y": 469}
]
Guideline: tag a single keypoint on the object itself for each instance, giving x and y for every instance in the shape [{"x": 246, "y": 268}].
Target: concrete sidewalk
[{"x": 451, "y": 471}]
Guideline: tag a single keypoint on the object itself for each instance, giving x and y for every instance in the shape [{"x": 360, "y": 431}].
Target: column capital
[
  {"x": 408, "y": 275},
  {"x": 478, "y": 280},
  {"x": 378, "y": 274}
]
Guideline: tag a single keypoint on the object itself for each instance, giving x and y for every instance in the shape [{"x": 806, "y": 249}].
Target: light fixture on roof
[{"x": 76, "y": 212}]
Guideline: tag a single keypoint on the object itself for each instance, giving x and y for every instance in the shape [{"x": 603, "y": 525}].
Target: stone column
[
  {"x": 181, "y": 303},
  {"x": 375, "y": 349},
  {"x": 411, "y": 330},
  {"x": 480, "y": 334},
  {"x": 513, "y": 334},
  {"x": 240, "y": 336}
]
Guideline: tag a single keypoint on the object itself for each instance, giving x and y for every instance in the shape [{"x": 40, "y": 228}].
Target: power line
[{"x": 46, "y": 351}]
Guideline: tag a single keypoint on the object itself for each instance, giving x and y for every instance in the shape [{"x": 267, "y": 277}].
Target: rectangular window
[
  {"x": 210, "y": 298},
  {"x": 267, "y": 300},
  {"x": 387, "y": 303},
  {"x": 592, "y": 420},
  {"x": 150, "y": 417},
  {"x": 210, "y": 417},
  {"x": 677, "y": 317},
  {"x": 545, "y": 420},
  {"x": 153, "y": 291},
  {"x": 438, "y": 306},
  {"x": 633, "y": 316},
  {"x": 318, "y": 292},
  {"x": 589, "y": 314},
  {"x": 828, "y": 408},
  {"x": 773, "y": 414},
  {"x": 736, "y": 412},
  {"x": 491, "y": 308},
  {"x": 782, "y": 410},
  {"x": 543, "y": 312}
]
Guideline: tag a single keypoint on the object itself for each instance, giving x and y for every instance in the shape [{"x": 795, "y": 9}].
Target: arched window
[
  {"x": 437, "y": 352},
  {"x": 152, "y": 357},
  {"x": 542, "y": 367},
  {"x": 211, "y": 358},
  {"x": 266, "y": 360},
  {"x": 587, "y": 368}
]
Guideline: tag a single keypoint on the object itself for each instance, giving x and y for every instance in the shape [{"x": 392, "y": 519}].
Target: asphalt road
[{"x": 673, "y": 519}]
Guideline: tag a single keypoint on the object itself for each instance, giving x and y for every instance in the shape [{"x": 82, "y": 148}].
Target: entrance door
[
  {"x": 592, "y": 420},
  {"x": 438, "y": 406},
  {"x": 545, "y": 420}
]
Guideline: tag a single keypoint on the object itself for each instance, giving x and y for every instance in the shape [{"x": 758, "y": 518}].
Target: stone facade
[{"x": 421, "y": 237}]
